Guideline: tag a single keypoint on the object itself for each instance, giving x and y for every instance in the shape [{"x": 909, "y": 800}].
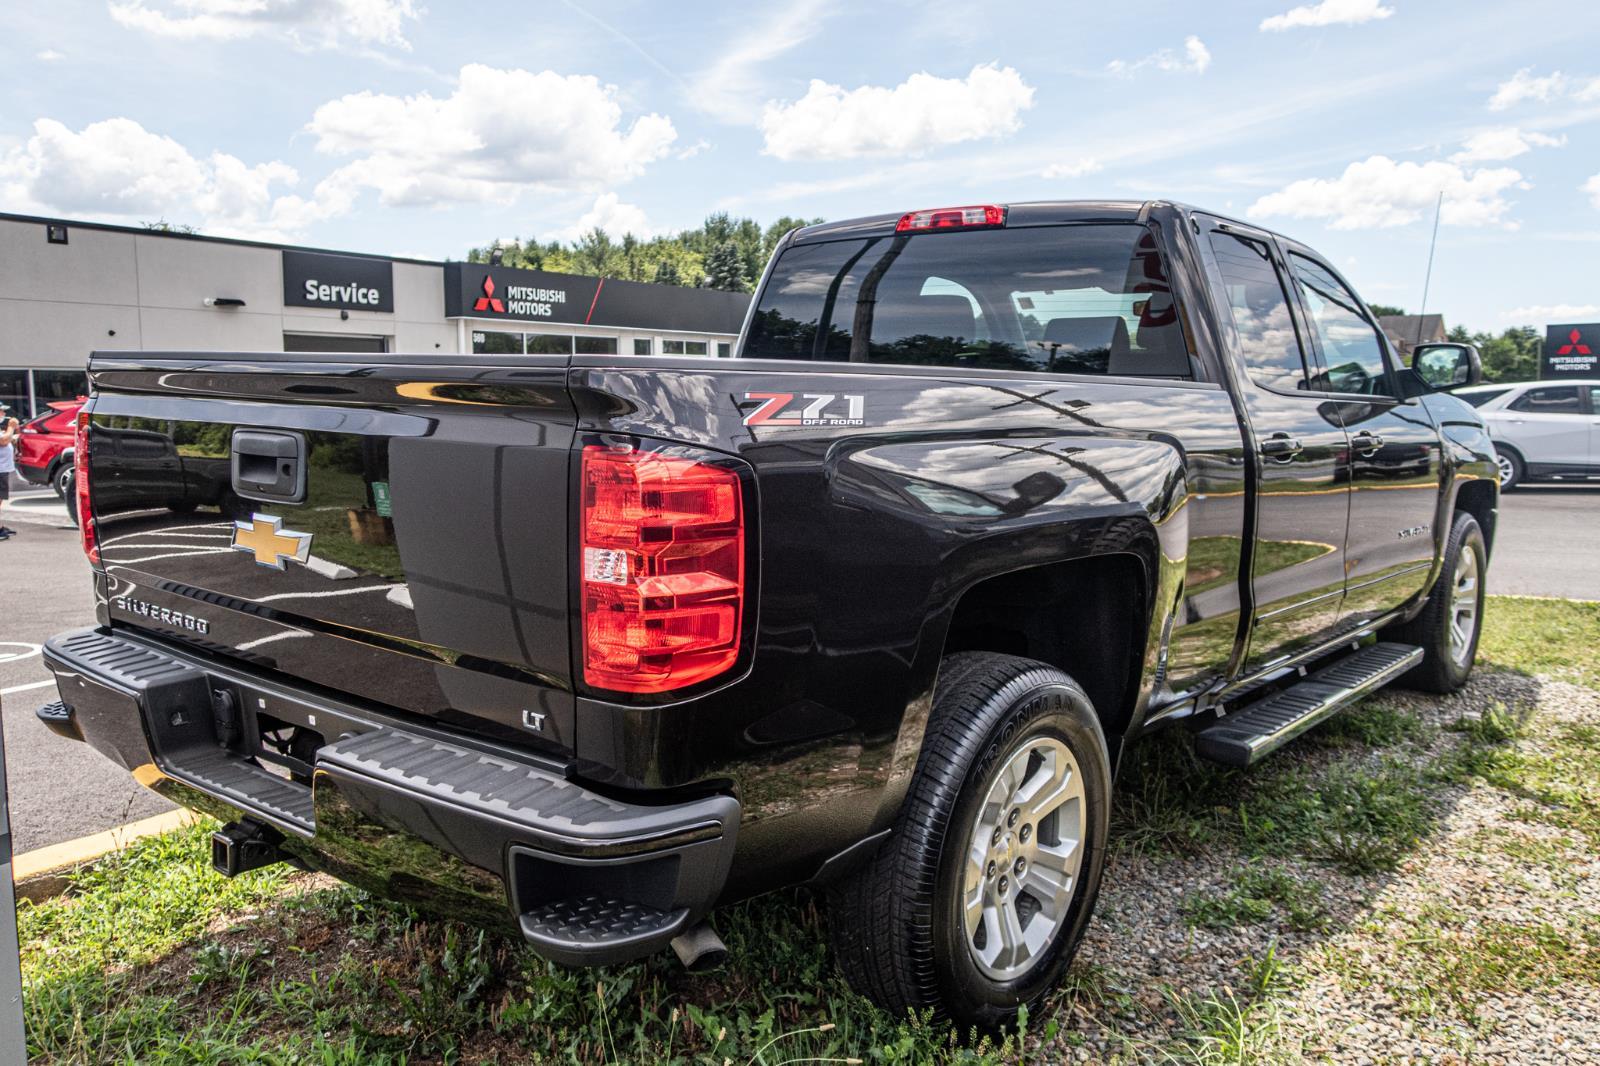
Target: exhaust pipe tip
[{"x": 700, "y": 948}]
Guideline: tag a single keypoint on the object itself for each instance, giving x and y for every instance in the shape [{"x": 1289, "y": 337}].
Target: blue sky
[{"x": 390, "y": 126}]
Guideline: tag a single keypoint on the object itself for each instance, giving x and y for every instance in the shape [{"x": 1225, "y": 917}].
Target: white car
[{"x": 1541, "y": 429}]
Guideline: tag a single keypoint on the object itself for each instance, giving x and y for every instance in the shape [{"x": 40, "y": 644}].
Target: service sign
[
  {"x": 347, "y": 282},
  {"x": 1571, "y": 351}
]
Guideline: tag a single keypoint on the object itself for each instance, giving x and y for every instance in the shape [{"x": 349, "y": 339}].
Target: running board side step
[{"x": 1250, "y": 735}]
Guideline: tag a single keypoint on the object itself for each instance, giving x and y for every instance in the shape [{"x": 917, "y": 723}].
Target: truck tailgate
[{"x": 424, "y": 563}]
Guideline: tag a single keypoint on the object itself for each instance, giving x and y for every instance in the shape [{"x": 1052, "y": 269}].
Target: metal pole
[
  {"x": 13, "y": 1041},
  {"x": 1438, "y": 208}
]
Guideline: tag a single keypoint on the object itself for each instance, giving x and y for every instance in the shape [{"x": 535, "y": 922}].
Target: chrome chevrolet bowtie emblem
[{"x": 265, "y": 538}]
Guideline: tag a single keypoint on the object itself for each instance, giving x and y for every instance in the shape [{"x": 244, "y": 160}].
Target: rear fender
[{"x": 993, "y": 507}]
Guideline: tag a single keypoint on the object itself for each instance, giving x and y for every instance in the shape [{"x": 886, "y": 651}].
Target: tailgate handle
[{"x": 269, "y": 465}]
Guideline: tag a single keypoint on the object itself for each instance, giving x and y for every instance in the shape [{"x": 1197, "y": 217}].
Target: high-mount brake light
[
  {"x": 87, "y": 533},
  {"x": 663, "y": 569},
  {"x": 973, "y": 217}
]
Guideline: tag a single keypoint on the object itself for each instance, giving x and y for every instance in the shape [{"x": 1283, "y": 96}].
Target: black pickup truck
[{"x": 581, "y": 646}]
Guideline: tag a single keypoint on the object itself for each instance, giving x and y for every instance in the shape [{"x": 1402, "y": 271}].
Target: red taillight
[
  {"x": 663, "y": 569},
  {"x": 80, "y": 473},
  {"x": 952, "y": 218}
]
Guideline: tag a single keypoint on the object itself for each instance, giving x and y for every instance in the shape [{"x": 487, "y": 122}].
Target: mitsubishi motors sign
[
  {"x": 1571, "y": 351},
  {"x": 486, "y": 293}
]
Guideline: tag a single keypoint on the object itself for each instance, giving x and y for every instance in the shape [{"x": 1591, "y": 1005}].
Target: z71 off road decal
[{"x": 782, "y": 409}]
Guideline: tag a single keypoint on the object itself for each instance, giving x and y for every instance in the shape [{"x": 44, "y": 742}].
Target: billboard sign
[{"x": 1571, "y": 351}]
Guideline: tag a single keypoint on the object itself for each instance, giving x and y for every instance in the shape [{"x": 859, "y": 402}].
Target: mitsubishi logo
[
  {"x": 1574, "y": 345},
  {"x": 489, "y": 301},
  {"x": 265, "y": 538}
]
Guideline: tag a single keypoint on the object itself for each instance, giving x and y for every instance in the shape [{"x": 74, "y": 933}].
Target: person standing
[{"x": 8, "y": 461}]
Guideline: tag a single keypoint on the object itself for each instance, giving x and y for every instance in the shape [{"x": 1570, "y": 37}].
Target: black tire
[
  {"x": 1513, "y": 471},
  {"x": 896, "y": 924},
  {"x": 62, "y": 479},
  {"x": 1443, "y": 668}
]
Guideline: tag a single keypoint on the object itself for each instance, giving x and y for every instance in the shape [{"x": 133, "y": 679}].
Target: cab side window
[
  {"x": 1551, "y": 400},
  {"x": 1352, "y": 350},
  {"x": 1260, "y": 308}
]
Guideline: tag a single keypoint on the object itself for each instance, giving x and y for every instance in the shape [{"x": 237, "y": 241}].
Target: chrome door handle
[
  {"x": 1367, "y": 443},
  {"x": 1281, "y": 447}
]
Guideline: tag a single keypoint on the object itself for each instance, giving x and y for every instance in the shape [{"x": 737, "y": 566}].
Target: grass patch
[
  {"x": 1534, "y": 636},
  {"x": 1259, "y": 893}
]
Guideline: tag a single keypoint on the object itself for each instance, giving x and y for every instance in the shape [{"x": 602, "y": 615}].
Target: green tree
[
  {"x": 725, "y": 268},
  {"x": 1384, "y": 310},
  {"x": 666, "y": 273},
  {"x": 595, "y": 254}
]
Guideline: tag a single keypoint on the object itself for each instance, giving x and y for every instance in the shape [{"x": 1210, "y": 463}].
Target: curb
[{"x": 42, "y": 873}]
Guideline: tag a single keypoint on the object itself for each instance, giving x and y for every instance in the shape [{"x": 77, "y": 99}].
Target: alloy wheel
[
  {"x": 1022, "y": 862},
  {"x": 1464, "y": 604}
]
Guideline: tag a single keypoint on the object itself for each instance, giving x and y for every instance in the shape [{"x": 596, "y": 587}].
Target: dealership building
[{"x": 68, "y": 288}]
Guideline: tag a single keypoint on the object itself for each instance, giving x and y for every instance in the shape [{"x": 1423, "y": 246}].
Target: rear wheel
[
  {"x": 1511, "y": 467},
  {"x": 61, "y": 479},
  {"x": 976, "y": 904},
  {"x": 1450, "y": 623}
]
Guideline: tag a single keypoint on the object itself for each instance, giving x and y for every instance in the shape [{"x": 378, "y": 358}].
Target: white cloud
[
  {"x": 1507, "y": 142},
  {"x": 49, "y": 55},
  {"x": 1590, "y": 90},
  {"x": 1592, "y": 187},
  {"x": 306, "y": 23},
  {"x": 611, "y": 215},
  {"x": 920, "y": 113},
  {"x": 500, "y": 133},
  {"x": 1195, "y": 59},
  {"x": 1524, "y": 85},
  {"x": 1551, "y": 313},
  {"x": 1328, "y": 13},
  {"x": 731, "y": 88},
  {"x": 119, "y": 170},
  {"x": 1378, "y": 192},
  {"x": 1077, "y": 168}
]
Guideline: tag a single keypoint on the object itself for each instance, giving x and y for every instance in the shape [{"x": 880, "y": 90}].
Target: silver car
[{"x": 1541, "y": 429}]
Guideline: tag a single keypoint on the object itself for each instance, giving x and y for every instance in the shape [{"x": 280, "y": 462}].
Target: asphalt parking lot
[{"x": 60, "y": 790}]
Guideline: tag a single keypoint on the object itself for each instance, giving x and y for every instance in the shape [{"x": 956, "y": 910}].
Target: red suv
[{"x": 44, "y": 450}]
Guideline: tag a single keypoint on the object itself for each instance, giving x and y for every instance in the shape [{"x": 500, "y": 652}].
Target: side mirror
[{"x": 1447, "y": 365}]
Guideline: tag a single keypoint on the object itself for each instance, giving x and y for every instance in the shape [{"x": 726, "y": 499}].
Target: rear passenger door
[
  {"x": 1394, "y": 445},
  {"x": 1301, "y": 452},
  {"x": 1549, "y": 426}
]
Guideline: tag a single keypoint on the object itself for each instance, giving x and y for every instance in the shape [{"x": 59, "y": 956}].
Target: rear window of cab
[{"x": 1075, "y": 299}]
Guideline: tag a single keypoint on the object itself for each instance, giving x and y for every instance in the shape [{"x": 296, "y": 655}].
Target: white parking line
[
  {"x": 10, "y": 657},
  {"x": 26, "y": 688},
  {"x": 219, "y": 535},
  {"x": 320, "y": 595},
  {"x": 142, "y": 547},
  {"x": 169, "y": 555}
]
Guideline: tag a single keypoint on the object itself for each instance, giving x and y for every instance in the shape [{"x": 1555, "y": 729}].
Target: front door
[
  {"x": 1301, "y": 454},
  {"x": 1395, "y": 455}
]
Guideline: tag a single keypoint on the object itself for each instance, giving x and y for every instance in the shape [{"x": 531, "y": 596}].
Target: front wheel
[
  {"x": 63, "y": 479},
  {"x": 976, "y": 904},
  {"x": 1452, "y": 619}
]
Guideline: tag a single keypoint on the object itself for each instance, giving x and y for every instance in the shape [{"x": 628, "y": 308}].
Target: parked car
[
  {"x": 581, "y": 646},
  {"x": 44, "y": 449},
  {"x": 1541, "y": 429}
]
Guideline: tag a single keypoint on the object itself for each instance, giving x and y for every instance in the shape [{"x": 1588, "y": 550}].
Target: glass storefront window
[
  {"x": 643, "y": 346},
  {"x": 548, "y": 344},
  {"x": 596, "y": 345},
  {"x": 684, "y": 347},
  {"x": 14, "y": 393},
  {"x": 52, "y": 385},
  {"x": 724, "y": 349},
  {"x": 489, "y": 342}
]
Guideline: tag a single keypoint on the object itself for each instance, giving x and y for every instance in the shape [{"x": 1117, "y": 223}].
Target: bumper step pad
[
  {"x": 596, "y": 920},
  {"x": 1247, "y": 736}
]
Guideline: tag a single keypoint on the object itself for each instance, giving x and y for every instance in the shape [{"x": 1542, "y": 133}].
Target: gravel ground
[{"x": 1376, "y": 982}]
